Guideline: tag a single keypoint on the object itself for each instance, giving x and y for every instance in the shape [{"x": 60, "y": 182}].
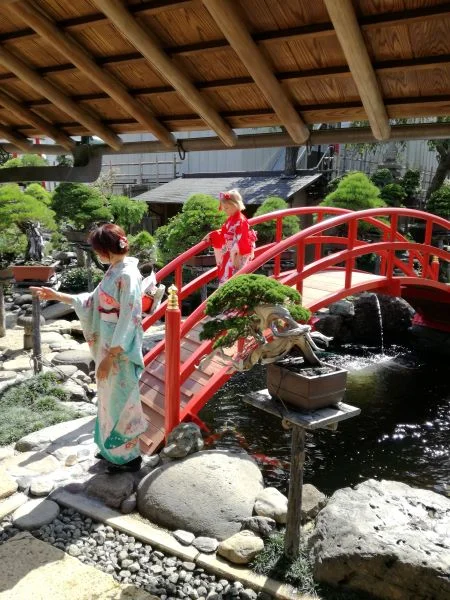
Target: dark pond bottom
[{"x": 402, "y": 433}]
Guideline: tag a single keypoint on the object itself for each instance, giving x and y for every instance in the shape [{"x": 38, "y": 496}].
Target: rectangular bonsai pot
[
  {"x": 305, "y": 391},
  {"x": 33, "y": 272},
  {"x": 202, "y": 260}
]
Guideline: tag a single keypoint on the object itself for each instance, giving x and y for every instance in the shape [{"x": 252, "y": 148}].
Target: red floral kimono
[{"x": 234, "y": 245}]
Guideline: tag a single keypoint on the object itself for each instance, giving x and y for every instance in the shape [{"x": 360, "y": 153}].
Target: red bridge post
[{"x": 173, "y": 342}]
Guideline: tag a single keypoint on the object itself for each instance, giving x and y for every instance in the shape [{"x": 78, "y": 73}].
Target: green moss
[{"x": 32, "y": 405}]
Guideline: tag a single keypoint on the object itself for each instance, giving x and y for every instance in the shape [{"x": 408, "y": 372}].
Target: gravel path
[{"x": 131, "y": 561}]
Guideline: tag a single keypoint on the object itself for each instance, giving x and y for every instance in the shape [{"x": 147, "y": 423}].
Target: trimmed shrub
[
  {"x": 143, "y": 246},
  {"x": 393, "y": 194},
  {"x": 266, "y": 231},
  {"x": 76, "y": 280},
  {"x": 439, "y": 203}
]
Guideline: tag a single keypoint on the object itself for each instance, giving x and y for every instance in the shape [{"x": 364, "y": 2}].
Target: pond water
[{"x": 402, "y": 433}]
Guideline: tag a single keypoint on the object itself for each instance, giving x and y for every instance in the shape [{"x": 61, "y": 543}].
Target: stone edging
[{"x": 167, "y": 543}]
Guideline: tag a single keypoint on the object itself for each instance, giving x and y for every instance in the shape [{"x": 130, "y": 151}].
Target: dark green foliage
[
  {"x": 355, "y": 192},
  {"x": 273, "y": 563},
  {"x": 32, "y": 405},
  {"x": 17, "y": 207},
  {"x": 26, "y": 160},
  {"x": 266, "y": 231},
  {"x": 142, "y": 246},
  {"x": 59, "y": 242},
  {"x": 80, "y": 205},
  {"x": 393, "y": 194},
  {"x": 410, "y": 182},
  {"x": 199, "y": 216},
  {"x": 233, "y": 304},
  {"x": 439, "y": 203},
  {"x": 382, "y": 177},
  {"x": 76, "y": 280},
  {"x": 126, "y": 211}
]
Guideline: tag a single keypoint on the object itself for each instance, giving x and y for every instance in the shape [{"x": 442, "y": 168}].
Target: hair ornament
[
  {"x": 123, "y": 242},
  {"x": 225, "y": 196}
]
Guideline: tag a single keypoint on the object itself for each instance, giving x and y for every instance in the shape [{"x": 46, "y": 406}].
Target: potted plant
[
  {"x": 267, "y": 231},
  {"x": 247, "y": 308},
  {"x": 200, "y": 215},
  {"x": 23, "y": 213}
]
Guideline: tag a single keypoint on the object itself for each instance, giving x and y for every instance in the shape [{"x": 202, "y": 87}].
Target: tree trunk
[
  {"x": 290, "y": 160},
  {"x": 2, "y": 312},
  {"x": 441, "y": 173},
  {"x": 81, "y": 257}
]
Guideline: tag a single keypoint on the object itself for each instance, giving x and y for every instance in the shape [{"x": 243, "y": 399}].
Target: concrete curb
[{"x": 167, "y": 543}]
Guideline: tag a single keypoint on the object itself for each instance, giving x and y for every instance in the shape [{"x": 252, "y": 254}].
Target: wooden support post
[
  {"x": 37, "y": 351},
  {"x": 2, "y": 312},
  {"x": 172, "y": 383},
  {"x": 293, "y": 523}
]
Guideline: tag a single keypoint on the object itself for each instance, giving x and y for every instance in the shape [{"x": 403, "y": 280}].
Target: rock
[
  {"x": 23, "y": 299},
  {"x": 77, "y": 393},
  {"x": 62, "y": 434},
  {"x": 7, "y": 376},
  {"x": 312, "y": 502},
  {"x": 12, "y": 503},
  {"x": 344, "y": 308},
  {"x": 205, "y": 544},
  {"x": 271, "y": 503},
  {"x": 56, "y": 311},
  {"x": 60, "y": 325},
  {"x": 184, "y": 537},
  {"x": 82, "y": 377},
  {"x": 128, "y": 505},
  {"x": 35, "y": 514},
  {"x": 111, "y": 489},
  {"x": 6, "y": 452},
  {"x": 385, "y": 538},
  {"x": 41, "y": 487},
  {"x": 207, "y": 493},
  {"x": 82, "y": 359},
  {"x": 8, "y": 486},
  {"x": 330, "y": 325},
  {"x": 241, "y": 548},
  {"x": 62, "y": 372},
  {"x": 21, "y": 363},
  {"x": 30, "y": 464},
  {"x": 185, "y": 439},
  {"x": 262, "y": 526},
  {"x": 70, "y": 455},
  {"x": 51, "y": 337}
]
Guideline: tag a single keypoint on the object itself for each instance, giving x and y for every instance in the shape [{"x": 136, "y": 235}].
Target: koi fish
[{"x": 271, "y": 462}]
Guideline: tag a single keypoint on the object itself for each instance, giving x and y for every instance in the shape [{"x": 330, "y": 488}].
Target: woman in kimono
[
  {"x": 234, "y": 243},
  {"x": 111, "y": 320}
]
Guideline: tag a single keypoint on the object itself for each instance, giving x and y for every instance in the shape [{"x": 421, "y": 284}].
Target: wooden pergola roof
[{"x": 108, "y": 67}]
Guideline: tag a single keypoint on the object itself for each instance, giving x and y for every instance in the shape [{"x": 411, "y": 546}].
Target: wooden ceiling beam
[
  {"x": 349, "y": 34},
  {"x": 46, "y": 28},
  {"x": 145, "y": 42},
  {"x": 19, "y": 141},
  {"x": 32, "y": 118},
  {"x": 63, "y": 102},
  {"x": 230, "y": 23}
]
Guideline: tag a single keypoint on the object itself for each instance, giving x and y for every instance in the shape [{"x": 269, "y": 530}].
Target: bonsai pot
[
  {"x": 202, "y": 260},
  {"x": 33, "y": 272},
  {"x": 306, "y": 387}
]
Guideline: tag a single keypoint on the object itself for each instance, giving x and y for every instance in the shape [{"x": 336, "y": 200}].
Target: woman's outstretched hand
[{"x": 45, "y": 293}]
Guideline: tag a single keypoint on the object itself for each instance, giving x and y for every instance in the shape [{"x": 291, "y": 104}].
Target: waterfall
[{"x": 380, "y": 320}]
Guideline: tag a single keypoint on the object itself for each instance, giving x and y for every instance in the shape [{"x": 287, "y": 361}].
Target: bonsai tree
[
  {"x": 355, "y": 192},
  {"x": 26, "y": 212},
  {"x": 439, "y": 203},
  {"x": 410, "y": 183},
  {"x": 382, "y": 177},
  {"x": 199, "y": 215},
  {"x": 127, "y": 212},
  {"x": 142, "y": 246},
  {"x": 233, "y": 306},
  {"x": 80, "y": 205},
  {"x": 393, "y": 194},
  {"x": 266, "y": 231}
]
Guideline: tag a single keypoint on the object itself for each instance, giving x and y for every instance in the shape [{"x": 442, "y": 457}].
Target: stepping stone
[
  {"x": 52, "y": 337},
  {"x": 62, "y": 434},
  {"x": 63, "y": 372},
  {"x": 7, "y": 376},
  {"x": 56, "y": 311},
  {"x": 8, "y": 486},
  {"x": 21, "y": 363},
  {"x": 41, "y": 487},
  {"x": 111, "y": 489},
  {"x": 29, "y": 464},
  {"x": 76, "y": 392},
  {"x": 80, "y": 358},
  {"x": 12, "y": 503},
  {"x": 35, "y": 514}
]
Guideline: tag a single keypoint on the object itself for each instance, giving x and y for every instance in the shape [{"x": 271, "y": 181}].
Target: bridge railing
[{"x": 315, "y": 214}]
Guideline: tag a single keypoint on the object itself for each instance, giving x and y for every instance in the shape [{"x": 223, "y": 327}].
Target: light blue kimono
[{"x": 111, "y": 316}]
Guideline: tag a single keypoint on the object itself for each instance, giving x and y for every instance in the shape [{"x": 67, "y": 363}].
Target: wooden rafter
[
  {"x": 32, "y": 118},
  {"x": 231, "y": 25},
  {"x": 17, "y": 139},
  {"x": 144, "y": 41},
  {"x": 349, "y": 34},
  {"x": 66, "y": 104},
  {"x": 85, "y": 63}
]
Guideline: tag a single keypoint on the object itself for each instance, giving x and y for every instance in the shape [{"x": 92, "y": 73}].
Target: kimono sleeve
[
  {"x": 217, "y": 238},
  {"x": 130, "y": 313},
  {"x": 245, "y": 242},
  {"x": 84, "y": 307}
]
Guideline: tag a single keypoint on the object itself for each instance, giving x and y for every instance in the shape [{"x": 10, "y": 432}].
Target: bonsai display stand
[{"x": 299, "y": 422}]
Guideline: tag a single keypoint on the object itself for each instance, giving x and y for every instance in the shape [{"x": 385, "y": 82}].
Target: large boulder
[
  {"x": 56, "y": 311},
  {"x": 385, "y": 538},
  {"x": 208, "y": 493},
  {"x": 81, "y": 358}
]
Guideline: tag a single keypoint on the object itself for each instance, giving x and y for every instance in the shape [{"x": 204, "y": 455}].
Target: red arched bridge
[{"x": 323, "y": 262}]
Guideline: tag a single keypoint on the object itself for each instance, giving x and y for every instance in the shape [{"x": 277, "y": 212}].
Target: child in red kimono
[{"x": 234, "y": 243}]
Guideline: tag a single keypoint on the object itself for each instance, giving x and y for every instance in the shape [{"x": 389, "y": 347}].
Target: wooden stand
[
  {"x": 299, "y": 422},
  {"x": 37, "y": 350}
]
